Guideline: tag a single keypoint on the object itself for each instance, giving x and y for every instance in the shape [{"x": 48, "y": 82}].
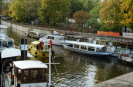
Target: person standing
[{"x": 50, "y": 42}]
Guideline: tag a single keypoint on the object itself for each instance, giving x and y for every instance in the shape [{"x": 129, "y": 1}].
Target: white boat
[
  {"x": 86, "y": 48},
  {"x": 56, "y": 39},
  {"x": 125, "y": 56},
  {"x": 6, "y": 42}
]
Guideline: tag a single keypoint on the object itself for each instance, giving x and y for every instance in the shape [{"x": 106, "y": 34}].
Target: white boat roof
[
  {"x": 29, "y": 64},
  {"x": 3, "y": 26},
  {"x": 12, "y": 52},
  {"x": 85, "y": 44}
]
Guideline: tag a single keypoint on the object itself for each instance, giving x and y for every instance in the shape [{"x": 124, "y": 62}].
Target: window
[
  {"x": 25, "y": 78},
  {"x": 49, "y": 46},
  {"x": 42, "y": 75},
  {"x": 83, "y": 47},
  {"x": 45, "y": 47},
  {"x": 49, "y": 37},
  {"x": 4, "y": 44},
  {"x": 76, "y": 46},
  {"x": 10, "y": 44},
  {"x": 33, "y": 75}
]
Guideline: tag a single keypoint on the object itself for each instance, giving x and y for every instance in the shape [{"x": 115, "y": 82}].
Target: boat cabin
[
  {"x": 54, "y": 38},
  {"x": 85, "y": 46},
  {"x": 35, "y": 45},
  {"x": 6, "y": 43},
  {"x": 36, "y": 34},
  {"x": 106, "y": 42},
  {"x": 29, "y": 73}
]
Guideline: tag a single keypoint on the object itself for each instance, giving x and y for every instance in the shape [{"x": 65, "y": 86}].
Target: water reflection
[{"x": 75, "y": 69}]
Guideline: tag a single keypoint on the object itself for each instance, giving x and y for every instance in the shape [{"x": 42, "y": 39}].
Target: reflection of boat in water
[
  {"x": 40, "y": 49},
  {"x": 6, "y": 43},
  {"x": 56, "y": 39},
  {"x": 86, "y": 48},
  {"x": 125, "y": 56}
]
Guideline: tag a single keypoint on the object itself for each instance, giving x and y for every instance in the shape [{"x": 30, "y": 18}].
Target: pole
[
  {"x": 24, "y": 49},
  {"x": 49, "y": 67}
]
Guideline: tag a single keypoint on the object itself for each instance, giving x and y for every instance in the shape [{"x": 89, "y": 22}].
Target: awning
[{"x": 12, "y": 52}]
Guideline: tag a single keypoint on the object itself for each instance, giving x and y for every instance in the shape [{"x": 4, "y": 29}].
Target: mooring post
[{"x": 24, "y": 49}]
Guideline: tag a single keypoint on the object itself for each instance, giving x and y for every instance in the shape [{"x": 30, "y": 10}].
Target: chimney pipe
[{"x": 24, "y": 49}]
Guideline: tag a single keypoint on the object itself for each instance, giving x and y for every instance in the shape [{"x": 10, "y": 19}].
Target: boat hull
[
  {"x": 124, "y": 62},
  {"x": 39, "y": 52},
  {"x": 85, "y": 52}
]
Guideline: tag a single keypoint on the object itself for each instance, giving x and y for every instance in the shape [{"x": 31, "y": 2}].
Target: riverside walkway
[{"x": 121, "y": 81}]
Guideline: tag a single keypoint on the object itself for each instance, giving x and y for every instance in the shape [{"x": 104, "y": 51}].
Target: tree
[
  {"x": 94, "y": 15},
  {"x": 5, "y": 8},
  {"x": 81, "y": 17},
  {"x": 54, "y": 10},
  {"x": 126, "y": 13},
  {"x": 22, "y": 10},
  {"x": 109, "y": 14}
]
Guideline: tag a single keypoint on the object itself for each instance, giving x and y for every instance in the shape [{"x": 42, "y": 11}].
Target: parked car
[{"x": 35, "y": 34}]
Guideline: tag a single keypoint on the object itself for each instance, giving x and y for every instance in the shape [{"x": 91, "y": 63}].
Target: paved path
[{"x": 125, "y": 80}]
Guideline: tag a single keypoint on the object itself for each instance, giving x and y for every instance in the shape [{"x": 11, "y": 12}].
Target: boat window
[
  {"x": 4, "y": 43},
  {"x": 19, "y": 74},
  {"x": 49, "y": 37},
  {"x": 103, "y": 49},
  {"x": 97, "y": 42},
  {"x": 83, "y": 47},
  {"x": 91, "y": 48},
  {"x": 33, "y": 75},
  {"x": 49, "y": 46},
  {"x": 53, "y": 38},
  {"x": 0, "y": 44},
  {"x": 10, "y": 44},
  {"x": 76, "y": 46},
  {"x": 102, "y": 43},
  {"x": 42, "y": 75},
  {"x": 25, "y": 78},
  {"x": 45, "y": 47}
]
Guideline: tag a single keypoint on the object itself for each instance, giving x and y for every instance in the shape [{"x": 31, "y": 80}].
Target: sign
[
  {"x": 72, "y": 20},
  {"x": 129, "y": 35},
  {"x": 108, "y": 33}
]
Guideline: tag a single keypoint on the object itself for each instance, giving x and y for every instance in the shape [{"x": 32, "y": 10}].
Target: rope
[{"x": 56, "y": 70}]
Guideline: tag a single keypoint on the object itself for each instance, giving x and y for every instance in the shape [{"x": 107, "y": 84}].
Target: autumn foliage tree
[
  {"x": 109, "y": 13},
  {"x": 81, "y": 17},
  {"x": 126, "y": 13}
]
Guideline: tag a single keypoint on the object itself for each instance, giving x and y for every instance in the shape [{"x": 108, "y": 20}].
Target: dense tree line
[{"x": 112, "y": 13}]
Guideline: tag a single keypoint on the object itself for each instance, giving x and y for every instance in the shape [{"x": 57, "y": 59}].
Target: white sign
[
  {"x": 129, "y": 35},
  {"x": 72, "y": 20}
]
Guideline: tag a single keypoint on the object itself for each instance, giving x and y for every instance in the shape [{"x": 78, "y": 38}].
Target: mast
[{"x": 49, "y": 67}]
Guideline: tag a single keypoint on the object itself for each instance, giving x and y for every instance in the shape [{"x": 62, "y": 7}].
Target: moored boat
[
  {"x": 6, "y": 42},
  {"x": 125, "y": 56},
  {"x": 86, "y": 48},
  {"x": 56, "y": 39},
  {"x": 40, "y": 49}
]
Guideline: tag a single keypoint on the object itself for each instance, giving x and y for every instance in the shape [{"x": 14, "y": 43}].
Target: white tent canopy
[{"x": 12, "y": 52}]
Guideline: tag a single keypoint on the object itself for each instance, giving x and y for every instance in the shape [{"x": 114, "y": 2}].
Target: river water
[{"x": 75, "y": 70}]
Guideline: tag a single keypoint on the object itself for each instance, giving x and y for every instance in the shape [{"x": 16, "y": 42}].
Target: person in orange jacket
[{"x": 50, "y": 42}]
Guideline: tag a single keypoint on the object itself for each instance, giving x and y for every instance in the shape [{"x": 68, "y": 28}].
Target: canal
[{"x": 75, "y": 70}]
